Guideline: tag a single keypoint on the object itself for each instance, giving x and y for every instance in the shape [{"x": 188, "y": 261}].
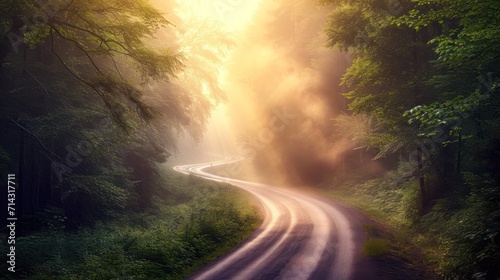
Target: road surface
[{"x": 302, "y": 237}]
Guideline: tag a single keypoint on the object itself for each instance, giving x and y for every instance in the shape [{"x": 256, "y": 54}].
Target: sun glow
[
  {"x": 268, "y": 60},
  {"x": 209, "y": 31},
  {"x": 232, "y": 15}
]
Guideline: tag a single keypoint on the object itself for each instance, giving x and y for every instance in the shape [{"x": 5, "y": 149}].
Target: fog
[{"x": 282, "y": 89}]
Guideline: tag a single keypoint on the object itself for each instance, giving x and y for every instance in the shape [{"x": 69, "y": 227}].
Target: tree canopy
[{"x": 92, "y": 103}]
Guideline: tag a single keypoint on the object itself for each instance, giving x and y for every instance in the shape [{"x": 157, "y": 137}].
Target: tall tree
[
  {"x": 440, "y": 73},
  {"x": 387, "y": 74},
  {"x": 468, "y": 63},
  {"x": 68, "y": 68}
]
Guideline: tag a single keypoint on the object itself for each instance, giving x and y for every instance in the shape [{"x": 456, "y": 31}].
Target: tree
[
  {"x": 68, "y": 68},
  {"x": 388, "y": 71},
  {"x": 449, "y": 62},
  {"x": 88, "y": 37},
  {"x": 469, "y": 63}
]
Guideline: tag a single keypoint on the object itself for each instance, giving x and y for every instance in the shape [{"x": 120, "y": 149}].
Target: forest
[
  {"x": 423, "y": 89},
  {"x": 90, "y": 114},
  {"x": 392, "y": 106},
  {"x": 403, "y": 123}
]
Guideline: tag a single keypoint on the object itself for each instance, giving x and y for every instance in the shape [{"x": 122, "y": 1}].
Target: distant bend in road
[{"x": 302, "y": 237}]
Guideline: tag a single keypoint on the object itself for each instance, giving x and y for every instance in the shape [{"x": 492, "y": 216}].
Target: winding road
[{"x": 303, "y": 236}]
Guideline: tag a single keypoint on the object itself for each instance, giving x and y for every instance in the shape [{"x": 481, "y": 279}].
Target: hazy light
[
  {"x": 201, "y": 22},
  {"x": 275, "y": 65},
  {"x": 231, "y": 14}
]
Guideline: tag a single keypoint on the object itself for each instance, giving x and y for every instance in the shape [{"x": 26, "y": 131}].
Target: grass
[
  {"x": 376, "y": 244},
  {"x": 389, "y": 202},
  {"x": 197, "y": 222},
  {"x": 374, "y": 247}
]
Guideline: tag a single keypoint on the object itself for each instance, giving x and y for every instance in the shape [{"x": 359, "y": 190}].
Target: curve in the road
[{"x": 302, "y": 236}]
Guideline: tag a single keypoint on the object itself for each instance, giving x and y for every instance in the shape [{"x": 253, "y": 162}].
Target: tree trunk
[
  {"x": 459, "y": 155},
  {"x": 20, "y": 172},
  {"x": 423, "y": 194}
]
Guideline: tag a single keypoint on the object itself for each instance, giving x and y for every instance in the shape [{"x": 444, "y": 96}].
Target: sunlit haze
[
  {"x": 280, "y": 83},
  {"x": 230, "y": 18},
  {"x": 233, "y": 15},
  {"x": 250, "y": 139}
]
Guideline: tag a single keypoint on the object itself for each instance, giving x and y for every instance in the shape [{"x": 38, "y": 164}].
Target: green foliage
[
  {"x": 91, "y": 197},
  {"x": 470, "y": 30},
  {"x": 459, "y": 235},
  {"x": 388, "y": 70},
  {"x": 52, "y": 219},
  {"x": 167, "y": 242},
  {"x": 96, "y": 49},
  {"x": 436, "y": 65},
  {"x": 448, "y": 115},
  {"x": 345, "y": 27},
  {"x": 474, "y": 232},
  {"x": 88, "y": 106},
  {"x": 393, "y": 198}
]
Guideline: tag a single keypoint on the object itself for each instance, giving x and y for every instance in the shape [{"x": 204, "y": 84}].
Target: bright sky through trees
[
  {"x": 232, "y": 14},
  {"x": 231, "y": 18}
]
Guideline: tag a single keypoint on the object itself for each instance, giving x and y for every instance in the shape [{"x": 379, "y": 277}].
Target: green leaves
[
  {"x": 447, "y": 115},
  {"x": 470, "y": 29},
  {"x": 90, "y": 90},
  {"x": 98, "y": 40},
  {"x": 388, "y": 70},
  {"x": 345, "y": 27},
  {"x": 36, "y": 35},
  {"x": 420, "y": 67}
]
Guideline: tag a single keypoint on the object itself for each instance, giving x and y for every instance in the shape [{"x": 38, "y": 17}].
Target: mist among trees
[{"x": 391, "y": 104}]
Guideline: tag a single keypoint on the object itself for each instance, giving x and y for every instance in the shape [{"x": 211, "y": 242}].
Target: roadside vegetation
[
  {"x": 423, "y": 103},
  {"x": 192, "y": 222},
  {"x": 456, "y": 236}
]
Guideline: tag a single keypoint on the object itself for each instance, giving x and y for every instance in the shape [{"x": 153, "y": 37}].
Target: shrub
[{"x": 165, "y": 242}]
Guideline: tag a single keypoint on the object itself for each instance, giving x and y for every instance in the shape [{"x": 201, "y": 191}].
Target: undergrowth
[
  {"x": 196, "y": 222},
  {"x": 459, "y": 234}
]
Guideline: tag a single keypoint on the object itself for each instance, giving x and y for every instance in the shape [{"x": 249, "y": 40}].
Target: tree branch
[
  {"x": 36, "y": 138},
  {"x": 82, "y": 49},
  {"x": 31, "y": 74}
]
